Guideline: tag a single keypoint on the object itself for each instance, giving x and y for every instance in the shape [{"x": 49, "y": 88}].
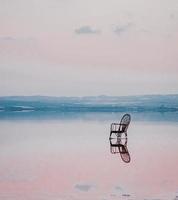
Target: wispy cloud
[
  {"x": 15, "y": 175},
  {"x": 126, "y": 195},
  {"x": 12, "y": 38},
  {"x": 173, "y": 16},
  {"x": 118, "y": 188},
  {"x": 7, "y": 38},
  {"x": 120, "y": 29},
  {"x": 87, "y": 30},
  {"x": 83, "y": 187},
  {"x": 113, "y": 195}
]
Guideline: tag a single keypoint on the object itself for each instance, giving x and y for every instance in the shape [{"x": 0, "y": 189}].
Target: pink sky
[{"x": 42, "y": 41}]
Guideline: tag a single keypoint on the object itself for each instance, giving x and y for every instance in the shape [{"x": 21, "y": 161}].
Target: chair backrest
[{"x": 125, "y": 121}]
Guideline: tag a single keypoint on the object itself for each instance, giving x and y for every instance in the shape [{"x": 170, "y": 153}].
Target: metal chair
[{"x": 119, "y": 128}]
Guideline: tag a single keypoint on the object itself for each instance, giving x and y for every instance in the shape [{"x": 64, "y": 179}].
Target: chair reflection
[
  {"x": 118, "y": 142},
  {"x": 119, "y": 145}
]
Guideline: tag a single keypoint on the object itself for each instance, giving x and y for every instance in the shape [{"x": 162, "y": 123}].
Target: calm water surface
[{"x": 71, "y": 159}]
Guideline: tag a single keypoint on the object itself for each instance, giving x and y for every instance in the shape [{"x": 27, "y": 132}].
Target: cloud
[
  {"x": 176, "y": 197},
  {"x": 7, "y": 38},
  {"x": 119, "y": 29},
  {"x": 11, "y": 38},
  {"x": 126, "y": 195},
  {"x": 173, "y": 16},
  {"x": 87, "y": 30},
  {"x": 15, "y": 175},
  {"x": 83, "y": 187},
  {"x": 113, "y": 195},
  {"x": 118, "y": 188}
]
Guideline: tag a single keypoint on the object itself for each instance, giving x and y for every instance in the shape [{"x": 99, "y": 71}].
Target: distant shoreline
[{"x": 144, "y": 103}]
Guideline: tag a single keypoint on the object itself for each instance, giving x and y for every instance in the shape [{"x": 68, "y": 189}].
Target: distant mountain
[{"x": 144, "y": 103}]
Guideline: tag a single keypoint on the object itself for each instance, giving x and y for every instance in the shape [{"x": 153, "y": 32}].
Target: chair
[{"x": 119, "y": 128}]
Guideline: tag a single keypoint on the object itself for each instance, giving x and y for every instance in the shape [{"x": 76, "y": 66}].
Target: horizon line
[{"x": 102, "y": 95}]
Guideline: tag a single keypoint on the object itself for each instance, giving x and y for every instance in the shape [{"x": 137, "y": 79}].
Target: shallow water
[{"x": 71, "y": 159}]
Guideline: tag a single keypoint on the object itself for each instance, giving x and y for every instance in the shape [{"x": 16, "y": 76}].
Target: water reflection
[{"x": 118, "y": 143}]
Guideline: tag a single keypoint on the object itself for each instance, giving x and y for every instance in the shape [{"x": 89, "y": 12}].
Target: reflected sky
[
  {"x": 89, "y": 116},
  {"x": 71, "y": 159},
  {"x": 118, "y": 145}
]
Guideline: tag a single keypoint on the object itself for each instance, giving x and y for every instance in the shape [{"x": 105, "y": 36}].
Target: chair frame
[{"x": 119, "y": 128}]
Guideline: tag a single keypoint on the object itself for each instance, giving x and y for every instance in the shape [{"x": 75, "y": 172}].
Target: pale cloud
[
  {"x": 126, "y": 195},
  {"x": 84, "y": 187},
  {"x": 87, "y": 30},
  {"x": 172, "y": 16},
  {"x": 118, "y": 188},
  {"x": 7, "y": 38},
  {"x": 12, "y": 38},
  {"x": 120, "y": 29}
]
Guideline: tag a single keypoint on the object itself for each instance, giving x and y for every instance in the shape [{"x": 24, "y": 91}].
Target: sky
[{"x": 88, "y": 47}]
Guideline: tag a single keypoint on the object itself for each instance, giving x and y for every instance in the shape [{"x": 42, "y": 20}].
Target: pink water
[{"x": 50, "y": 160}]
